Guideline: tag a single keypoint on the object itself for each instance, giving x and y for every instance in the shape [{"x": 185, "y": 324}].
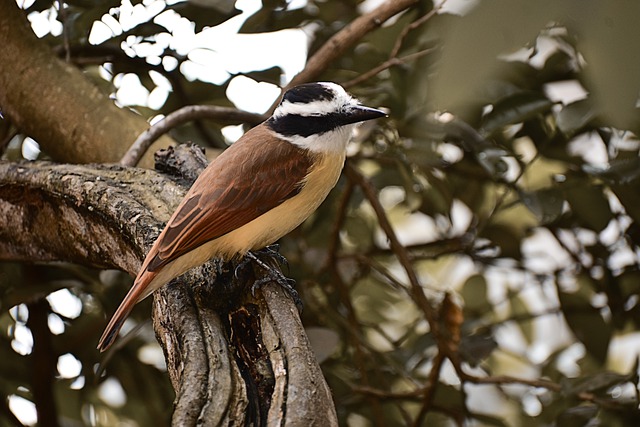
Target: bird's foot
[
  {"x": 274, "y": 252},
  {"x": 219, "y": 266},
  {"x": 273, "y": 274}
]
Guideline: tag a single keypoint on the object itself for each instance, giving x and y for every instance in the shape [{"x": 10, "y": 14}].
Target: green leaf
[
  {"x": 40, "y": 5},
  {"x": 575, "y": 116},
  {"x": 588, "y": 203},
  {"x": 489, "y": 420},
  {"x": 267, "y": 20},
  {"x": 476, "y": 348},
  {"x": 620, "y": 171},
  {"x": 470, "y": 56},
  {"x": 359, "y": 231},
  {"x": 437, "y": 197},
  {"x": 506, "y": 238},
  {"x": 268, "y": 75},
  {"x": 545, "y": 204},
  {"x": 557, "y": 67},
  {"x": 474, "y": 294},
  {"x": 600, "y": 381},
  {"x": 516, "y": 108},
  {"x": 586, "y": 323},
  {"x": 628, "y": 196},
  {"x": 447, "y": 396},
  {"x": 577, "y": 416}
]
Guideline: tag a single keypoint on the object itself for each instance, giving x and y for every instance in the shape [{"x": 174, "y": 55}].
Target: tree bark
[
  {"x": 77, "y": 123},
  {"x": 233, "y": 359}
]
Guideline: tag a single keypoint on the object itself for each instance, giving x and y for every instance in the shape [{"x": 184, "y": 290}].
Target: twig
[
  {"x": 415, "y": 24},
  {"x": 430, "y": 390},
  {"x": 181, "y": 116},
  {"x": 343, "y": 291},
  {"x": 378, "y": 267},
  {"x": 43, "y": 363},
  {"x": 416, "y": 290},
  {"x": 354, "y": 329},
  {"x": 506, "y": 379},
  {"x": 387, "y": 64},
  {"x": 400, "y": 251},
  {"x": 334, "y": 240},
  {"x": 63, "y": 15},
  {"x": 420, "y": 251},
  {"x": 337, "y": 45},
  {"x": 347, "y": 37},
  {"x": 393, "y": 55}
]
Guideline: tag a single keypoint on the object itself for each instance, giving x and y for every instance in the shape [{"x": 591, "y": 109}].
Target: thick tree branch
[
  {"x": 109, "y": 216},
  {"x": 78, "y": 123},
  {"x": 92, "y": 215}
]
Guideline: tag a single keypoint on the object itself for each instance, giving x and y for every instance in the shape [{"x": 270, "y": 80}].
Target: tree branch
[
  {"x": 43, "y": 363},
  {"x": 398, "y": 249},
  {"x": 337, "y": 45},
  {"x": 181, "y": 116},
  {"x": 109, "y": 216},
  {"x": 78, "y": 124}
]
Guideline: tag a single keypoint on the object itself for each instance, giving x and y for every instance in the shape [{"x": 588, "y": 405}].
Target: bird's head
[{"x": 319, "y": 116}]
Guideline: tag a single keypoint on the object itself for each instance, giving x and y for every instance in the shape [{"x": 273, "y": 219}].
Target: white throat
[{"x": 334, "y": 141}]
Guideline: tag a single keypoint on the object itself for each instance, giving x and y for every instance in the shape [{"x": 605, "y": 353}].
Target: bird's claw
[
  {"x": 240, "y": 266},
  {"x": 273, "y": 275},
  {"x": 274, "y": 252}
]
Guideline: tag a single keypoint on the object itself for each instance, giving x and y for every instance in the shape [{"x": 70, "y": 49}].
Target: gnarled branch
[{"x": 108, "y": 216}]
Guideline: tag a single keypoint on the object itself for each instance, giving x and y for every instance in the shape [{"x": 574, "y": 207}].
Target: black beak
[{"x": 360, "y": 113}]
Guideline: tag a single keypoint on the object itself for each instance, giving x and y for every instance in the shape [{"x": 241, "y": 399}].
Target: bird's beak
[{"x": 360, "y": 113}]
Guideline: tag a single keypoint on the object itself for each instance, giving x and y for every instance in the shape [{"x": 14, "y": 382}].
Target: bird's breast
[{"x": 282, "y": 219}]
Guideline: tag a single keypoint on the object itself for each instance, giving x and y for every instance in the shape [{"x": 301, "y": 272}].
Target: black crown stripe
[
  {"x": 295, "y": 124},
  {"x": 306, "y": 93}
]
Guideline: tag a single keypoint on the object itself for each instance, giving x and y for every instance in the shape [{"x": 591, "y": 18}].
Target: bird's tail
[{"x": 139, "y": 291}]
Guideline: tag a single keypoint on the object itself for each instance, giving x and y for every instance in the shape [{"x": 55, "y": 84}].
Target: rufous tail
[{"x": 138, "y": 292}]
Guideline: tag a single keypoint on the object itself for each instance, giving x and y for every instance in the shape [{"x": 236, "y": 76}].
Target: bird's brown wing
[
  {"x": 250, "y": 178},
  {"x": 236, "y": 188}
]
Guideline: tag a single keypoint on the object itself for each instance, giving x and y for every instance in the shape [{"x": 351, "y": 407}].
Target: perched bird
[{"x": 259, "y": 189}]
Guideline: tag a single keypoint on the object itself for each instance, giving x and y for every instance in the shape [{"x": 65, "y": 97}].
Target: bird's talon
[
  {"x": 219, "y": 266},
  {"x": 276, "y": 276},
  {"x": 258, "y": 284},
  {"x": 274, "y": 252}
]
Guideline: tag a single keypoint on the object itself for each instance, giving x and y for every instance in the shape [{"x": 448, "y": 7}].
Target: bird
[{"x": 259, "y": 189}]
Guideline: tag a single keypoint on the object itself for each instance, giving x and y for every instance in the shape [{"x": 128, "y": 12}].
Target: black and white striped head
[{"x": 319, "y": 116}]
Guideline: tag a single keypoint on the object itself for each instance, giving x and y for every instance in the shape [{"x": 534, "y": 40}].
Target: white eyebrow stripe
[{"x": 314, "y": 108}]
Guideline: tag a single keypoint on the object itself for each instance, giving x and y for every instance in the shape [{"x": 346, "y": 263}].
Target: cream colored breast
[{"x": 272, "y": 225}]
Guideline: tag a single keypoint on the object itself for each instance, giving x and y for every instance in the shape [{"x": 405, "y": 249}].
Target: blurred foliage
[{"x": 509, "y": 171}]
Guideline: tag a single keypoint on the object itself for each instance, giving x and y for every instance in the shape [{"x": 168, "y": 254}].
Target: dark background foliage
[{"x": 504, "y": 183}]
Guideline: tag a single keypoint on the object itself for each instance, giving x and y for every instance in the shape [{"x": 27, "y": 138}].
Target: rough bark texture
[
  {"x": 233, "y": 359},
  {"x": 77, "y": 123},
  {"x": 100, "y": 215}
]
